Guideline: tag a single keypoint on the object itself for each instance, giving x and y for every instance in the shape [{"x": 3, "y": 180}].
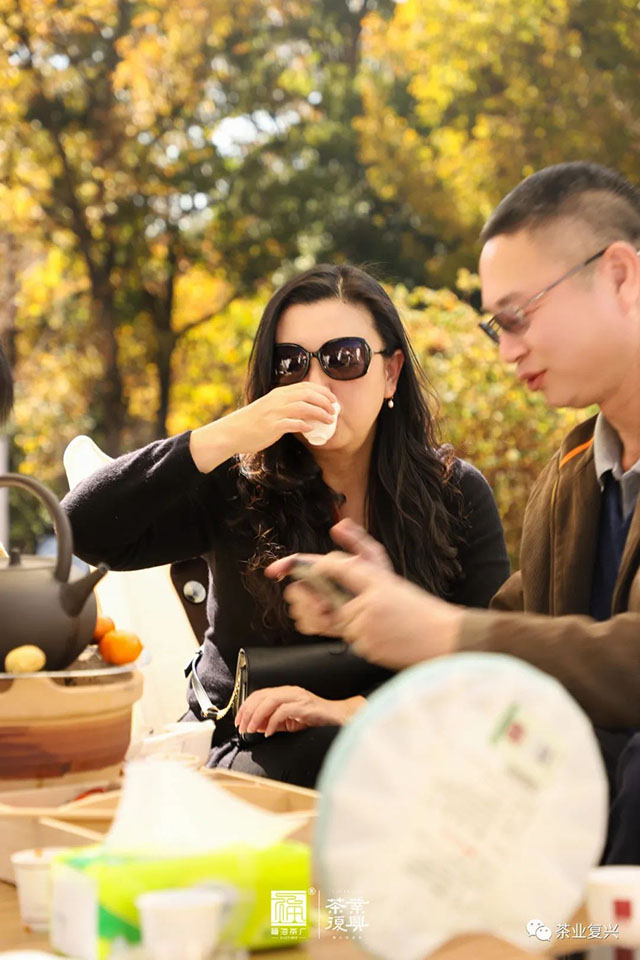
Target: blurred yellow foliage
[
  {"x": 198, "y": 294},
  {"x": 491, "y": 92}
]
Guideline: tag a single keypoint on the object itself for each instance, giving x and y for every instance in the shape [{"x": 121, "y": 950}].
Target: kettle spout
[{"x": 75, "y": 595}]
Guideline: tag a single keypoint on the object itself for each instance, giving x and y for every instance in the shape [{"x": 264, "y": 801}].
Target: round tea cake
[{"x": 468, "y": 796}]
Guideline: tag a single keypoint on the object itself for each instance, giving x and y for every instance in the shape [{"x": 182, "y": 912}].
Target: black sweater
[{"x": 154, "y": 506}]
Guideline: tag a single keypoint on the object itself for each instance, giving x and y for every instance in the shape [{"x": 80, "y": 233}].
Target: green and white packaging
[{"x": 95, "y": 889}]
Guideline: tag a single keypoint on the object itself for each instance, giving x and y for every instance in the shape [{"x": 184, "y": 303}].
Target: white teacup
[
  {"x": 613, "y": 897},
  {"x": 32, "y": 869},
  {"x": 196, "y": 735},
  {"x": 185, "y": 922},
  {"x": 322, "y": 432},
  {"x": 188, "y": 737}
]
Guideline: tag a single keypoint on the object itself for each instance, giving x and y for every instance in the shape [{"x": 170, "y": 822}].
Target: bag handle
[{"x": 207, "y": 709}]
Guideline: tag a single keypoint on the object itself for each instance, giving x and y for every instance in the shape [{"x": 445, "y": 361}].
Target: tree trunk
[
  {"x": 165, "y": 337},
  {"x": 10, "y": 268},
  {"x": 110, "y": 395},
  {"x": 166, "y": 342}
]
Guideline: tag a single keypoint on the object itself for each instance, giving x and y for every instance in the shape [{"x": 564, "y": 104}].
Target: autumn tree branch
[{"x": 205, "y": 318}]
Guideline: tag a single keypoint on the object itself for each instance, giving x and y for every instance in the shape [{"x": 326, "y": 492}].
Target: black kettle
[{"x": 43, "y": 602}]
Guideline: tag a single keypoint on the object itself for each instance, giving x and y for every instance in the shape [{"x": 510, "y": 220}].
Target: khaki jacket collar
[
  {"x": 629, "y": 563},
  {"x": 575, "y": 508},
  {"x": 575, "y": 512}
]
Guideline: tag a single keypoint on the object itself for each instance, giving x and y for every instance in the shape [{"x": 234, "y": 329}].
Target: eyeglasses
[
  {"x": 345, "y": 358},
  {"x": 515, "y": 319}
]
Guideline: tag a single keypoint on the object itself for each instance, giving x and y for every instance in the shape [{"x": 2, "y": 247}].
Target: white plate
[{"x": 94, "y": 666}]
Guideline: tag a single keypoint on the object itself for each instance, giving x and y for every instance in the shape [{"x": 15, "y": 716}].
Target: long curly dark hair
[{"x": 413, "y": 501}]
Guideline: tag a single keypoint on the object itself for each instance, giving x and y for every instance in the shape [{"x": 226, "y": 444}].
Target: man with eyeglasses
[{"x": 560, "y": 273}]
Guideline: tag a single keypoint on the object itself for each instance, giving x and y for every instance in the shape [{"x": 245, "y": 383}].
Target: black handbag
[{"x": 329, "y": 669}]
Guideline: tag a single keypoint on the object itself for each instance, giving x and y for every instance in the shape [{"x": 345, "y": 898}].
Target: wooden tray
[{"x": 51, "y": 817}]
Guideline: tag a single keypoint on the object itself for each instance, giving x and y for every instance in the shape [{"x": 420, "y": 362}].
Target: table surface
[{"x": 14, "y": 936}]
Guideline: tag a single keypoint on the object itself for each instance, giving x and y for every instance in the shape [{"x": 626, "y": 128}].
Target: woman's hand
[
  {"x": 311, "y": 613},
  {"x": 294, "y": 408},
  {"x": 289, "y": 709}
]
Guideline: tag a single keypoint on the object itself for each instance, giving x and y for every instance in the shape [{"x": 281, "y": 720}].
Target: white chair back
[{"x": 145, "y": 602}]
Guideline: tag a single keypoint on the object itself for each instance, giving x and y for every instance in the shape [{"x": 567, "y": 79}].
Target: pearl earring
[{"x": 390, "y": 403}]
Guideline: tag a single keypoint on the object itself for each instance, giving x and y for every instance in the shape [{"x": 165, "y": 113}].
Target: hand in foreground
[
  {"x": 289, "y": 709},
  {"x": 314, "y": 615},
  {"x": 390, "y": 621}
]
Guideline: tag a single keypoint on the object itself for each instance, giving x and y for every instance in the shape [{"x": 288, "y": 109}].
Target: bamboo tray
[{"x": 51, "y": 817}]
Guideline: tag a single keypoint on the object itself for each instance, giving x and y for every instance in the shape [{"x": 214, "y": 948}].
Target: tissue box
[{"x": 94, "y": 893}]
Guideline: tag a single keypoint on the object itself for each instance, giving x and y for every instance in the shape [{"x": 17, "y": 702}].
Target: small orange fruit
[
  {"x": 120, "y": 646},
  {"x": 103, "y": 625}
]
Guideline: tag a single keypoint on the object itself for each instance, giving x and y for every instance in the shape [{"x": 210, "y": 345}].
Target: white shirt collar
[{"x": 607, "y": 455}]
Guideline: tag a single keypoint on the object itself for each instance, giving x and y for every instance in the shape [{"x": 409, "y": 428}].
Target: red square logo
[
  {"x": 515, "y": 732},
  {"x": 622, "y": 909}
]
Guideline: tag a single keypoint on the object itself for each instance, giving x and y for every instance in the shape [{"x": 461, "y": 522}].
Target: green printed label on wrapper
[{"x": 117, "y": 880}]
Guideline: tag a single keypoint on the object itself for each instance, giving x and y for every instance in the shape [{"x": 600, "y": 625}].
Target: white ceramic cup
[
  {"x": 613, "y": 897},
  {"x": 193, "y": 737},
  {"x": 196, "y": 736},
  {"x": 32, "y": 870},
  {"x": 322, "y": 432},
  {"x": 185, "y": 923}
]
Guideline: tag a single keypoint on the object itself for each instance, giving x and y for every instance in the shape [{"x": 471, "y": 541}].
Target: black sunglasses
[{"x": 345, "y": 358}]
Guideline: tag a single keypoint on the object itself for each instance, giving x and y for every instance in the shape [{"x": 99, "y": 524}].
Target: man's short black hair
[
  {"x": 6, "y": 387},
  {"x": 586, "y": 193}
]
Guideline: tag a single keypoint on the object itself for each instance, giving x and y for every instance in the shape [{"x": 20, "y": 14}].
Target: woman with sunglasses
[{"x": 251, "y": 486}]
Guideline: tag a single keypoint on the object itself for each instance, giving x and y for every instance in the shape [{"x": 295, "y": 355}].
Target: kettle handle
[{"x": 57, "y": 514}]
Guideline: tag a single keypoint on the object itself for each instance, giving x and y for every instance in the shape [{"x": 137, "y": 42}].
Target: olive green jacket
[{"x": 543, "y": 607}]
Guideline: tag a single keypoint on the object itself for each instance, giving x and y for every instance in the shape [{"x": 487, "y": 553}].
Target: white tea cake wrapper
[{"x": 469, "y": 796}]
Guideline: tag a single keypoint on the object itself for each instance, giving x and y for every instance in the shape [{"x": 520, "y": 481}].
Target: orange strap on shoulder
[{"x": 574, "y": 453}]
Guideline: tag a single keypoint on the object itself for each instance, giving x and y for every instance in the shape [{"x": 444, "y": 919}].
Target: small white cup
[
  {"x": 196, "y": 736},
  {"x": 190, "y": 737},
  {"x": 185, "y": 923},
  {"x": 32, "y": 870},
  {"x": 613, "y": 897},
  {"x": 322, "y": 432}
]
